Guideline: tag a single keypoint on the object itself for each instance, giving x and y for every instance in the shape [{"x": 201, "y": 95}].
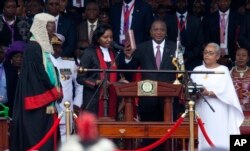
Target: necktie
[
  {"x": 222, "y": 28},
  {"x": 222, "y": 31},
  {"x": 126, "y": 20},
  {"x": 182, "y": 21},
  {"x": 158, "y": 57},
  {"x": 56, "y": 22},
  {"x": 91, "y": 32}
]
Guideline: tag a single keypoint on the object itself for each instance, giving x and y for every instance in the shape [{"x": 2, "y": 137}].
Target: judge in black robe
[{"x": 37, "y": 90}]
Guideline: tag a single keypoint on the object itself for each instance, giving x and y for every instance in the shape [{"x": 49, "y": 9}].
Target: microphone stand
[
  {"x": 105, "y": 93},
  {"x": 104, "y": 85}
]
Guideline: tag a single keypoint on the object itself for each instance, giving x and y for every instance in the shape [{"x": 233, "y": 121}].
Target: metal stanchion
[
  {"x": 67, "y": 118},
  {"x": 191, "y": 124}
]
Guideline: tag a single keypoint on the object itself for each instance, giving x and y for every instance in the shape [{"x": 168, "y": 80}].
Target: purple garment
[{"x": 15, "y": 47}]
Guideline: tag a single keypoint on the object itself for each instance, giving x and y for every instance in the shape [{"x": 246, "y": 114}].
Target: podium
[
  {"x": 148, "y": 88},
  {"x": 131, "y": 129}
]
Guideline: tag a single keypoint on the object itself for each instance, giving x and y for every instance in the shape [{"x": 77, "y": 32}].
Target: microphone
[{"x": 117, "y": 46}]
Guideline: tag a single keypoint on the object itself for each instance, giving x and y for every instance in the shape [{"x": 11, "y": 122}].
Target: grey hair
[{"x": 216, "y": 47}]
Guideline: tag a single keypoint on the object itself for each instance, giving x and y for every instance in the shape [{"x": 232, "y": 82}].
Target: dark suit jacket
[
  {"x": 82, "y": 31},
  {"x": 144, "y": 57},
  {"x": 67, "y": 28},
  {"x": 141, "y": 20},
  {"x": 213, "y": 30},
  {"x": 193, "y": 38},
  {"x": 244, "y": 35}
]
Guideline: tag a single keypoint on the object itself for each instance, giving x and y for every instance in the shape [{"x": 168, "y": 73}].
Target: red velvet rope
[
  {"x": 47, "y": 136},
  {"x": 161, "y": 140},
  {"x": 200, "y": 123}
]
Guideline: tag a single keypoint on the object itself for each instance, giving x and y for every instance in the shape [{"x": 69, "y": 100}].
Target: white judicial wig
[{"x": 39, "y": 30}]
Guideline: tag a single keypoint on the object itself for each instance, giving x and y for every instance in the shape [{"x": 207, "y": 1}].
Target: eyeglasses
[{"x": 209, "y": 53}]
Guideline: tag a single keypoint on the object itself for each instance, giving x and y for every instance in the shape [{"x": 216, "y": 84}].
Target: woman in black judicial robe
[{"x": 99, "y": 56}]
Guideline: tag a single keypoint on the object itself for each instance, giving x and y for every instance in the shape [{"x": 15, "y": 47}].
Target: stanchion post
[
  {"x": 67, "y": 118},
  {"x": 191, "y": 124}
]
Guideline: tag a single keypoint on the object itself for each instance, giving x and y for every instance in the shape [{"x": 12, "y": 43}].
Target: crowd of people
[{"x": 43, "y": 41}]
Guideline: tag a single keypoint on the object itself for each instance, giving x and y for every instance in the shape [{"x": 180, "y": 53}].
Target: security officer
[{"x": 72, "y": 91}]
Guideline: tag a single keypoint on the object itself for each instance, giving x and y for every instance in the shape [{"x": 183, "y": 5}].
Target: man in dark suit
[
  {"x": 64, "y": 26},
  {"x": 86, "y": 28},
  {"x": 189, "y": 29},
  {"x": 145, "y": 56},
  {"x": 131, "y": 14},
  {"x": 244, "y": 35},
  {"x": 155, "y": 54},
  {"x": 221, "y": 28}
]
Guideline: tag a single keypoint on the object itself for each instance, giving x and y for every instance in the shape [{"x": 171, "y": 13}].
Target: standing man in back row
[
  {"x": 131, "y": 14},
  {"x": 222, "y": 28},
  {"x": 188, "y": 29},
  {"x": 87, "y": 27},
  {"x": 64, "y": 26}
]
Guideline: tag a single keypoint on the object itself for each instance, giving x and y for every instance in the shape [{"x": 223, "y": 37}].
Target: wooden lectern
[
  {"x": 131, "y": 129},
  {"x": 148, "y": 88}
]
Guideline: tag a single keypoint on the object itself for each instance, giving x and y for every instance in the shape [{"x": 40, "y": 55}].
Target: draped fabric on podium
[
  {"x": 228, "y": 114},
  {"x": 30, "y": 124}
]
